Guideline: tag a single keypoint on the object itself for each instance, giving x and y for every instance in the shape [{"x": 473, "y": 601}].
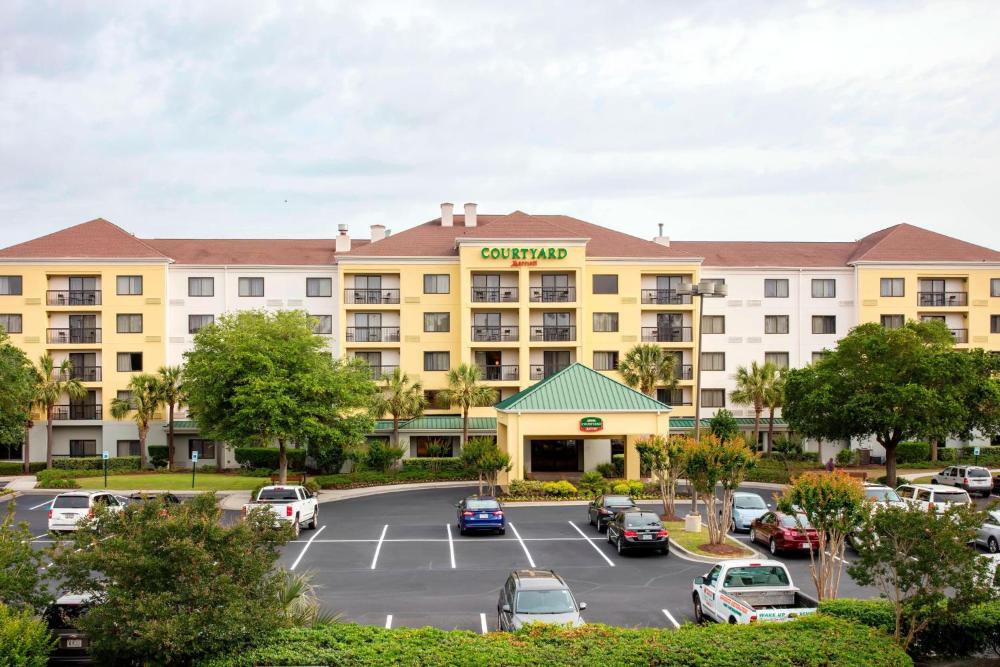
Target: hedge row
[
  {"x": 451, "y": 464},
  {"x": 353, "y": 480},
  {"x": 807, "y": 642},
  {"x": 15, "y": 467},
  {"x": 130, "y": 463},
  {"x": 987, "y": 455},
  {"x": 775, "y": 471},
  {"x": 267, "y": 457}
]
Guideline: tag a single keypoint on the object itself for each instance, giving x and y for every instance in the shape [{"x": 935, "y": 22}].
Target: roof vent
[
  {"x": 378, "y": 233},
  {"x": 470, "y": 215},
  {"x": 447, "y": 214},
  {"x": 388, "y": 233},
  {"x": 343, "y": 239},
  {"x": 660, "y": 238}
]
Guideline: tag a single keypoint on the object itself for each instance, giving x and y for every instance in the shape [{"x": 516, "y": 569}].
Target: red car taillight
[
  {"x": 467, "y": 513},
  {"x": 930, "y": 506},
  {"x": 630, "y": 533},
  {"x": 498, "y": 513},
  {"x": 965, "y": 481},
  {"x": 288, "y": 510},
  {"x": 663, "y": 533},
  {"x": 50, "y": 514},
  {"x": 90, "y": 514},
  {"x": 788, "y": 534}
]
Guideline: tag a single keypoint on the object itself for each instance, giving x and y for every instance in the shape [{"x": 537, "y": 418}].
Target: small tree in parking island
[
  {"x": 712, "y": 463},
  {"x": 262, "y": 377},
  {"x": 664, "y": 457},
  {"x": 835, "y": 506},
  {"x": 482, "y": 456}
]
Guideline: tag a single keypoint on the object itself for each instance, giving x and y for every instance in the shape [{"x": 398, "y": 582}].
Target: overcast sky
[{"x": 737, "y": 120}]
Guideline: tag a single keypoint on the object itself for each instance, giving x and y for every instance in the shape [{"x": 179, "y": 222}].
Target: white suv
[
  {"x": 933, "y": 496},
  {"x": 69, "y": 509},
  {"x": 973, "y": 479}
]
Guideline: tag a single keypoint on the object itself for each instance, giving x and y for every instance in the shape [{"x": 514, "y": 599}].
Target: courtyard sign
[
  {"x": 591, "y": 424},
  {"x": 523, "y": 256}
]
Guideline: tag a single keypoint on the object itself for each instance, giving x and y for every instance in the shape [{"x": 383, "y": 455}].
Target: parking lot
[{"x": 396, "y": 559}]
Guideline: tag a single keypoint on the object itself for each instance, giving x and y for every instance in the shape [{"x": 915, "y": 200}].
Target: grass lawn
[
  {"x": 693, "y": 541},
  {"x": 173, "y": 481},
  {"x": 926, "y": 479}
]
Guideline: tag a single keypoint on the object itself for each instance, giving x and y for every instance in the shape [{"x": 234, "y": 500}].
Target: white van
[{"x": 68, "y": 509}]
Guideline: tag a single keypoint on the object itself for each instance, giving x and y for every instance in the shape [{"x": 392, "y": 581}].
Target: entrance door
[{"x": 556, "y": 455}]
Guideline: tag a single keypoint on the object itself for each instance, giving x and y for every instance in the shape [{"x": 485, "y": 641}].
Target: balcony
[
  {"x": 501, "y": 334},
  {"x": 72, "y": 336},
  {"x": 64, "y": 412},
  {"x": 684, "y": 371},
  {"x": 542, "y": 371},
  {"x": 370, "y": 297},
  {"x": 83, "y": 374},
  {"x": 507, "y": 373},
  {"x": 664, "y": 297},
  {"x": 553, "y": 333},
  {"x": 960, "y": 335},
  {"x": 552, "y": 294},
  {"x": 494, "y": 295},
  {"x": 942, "y": 299},
  {"x": 666, "y": 334},
  {"x": 66, "y": 297},
  {"x": 378, "y": 372},
  {"x": 373, "y": 334}
]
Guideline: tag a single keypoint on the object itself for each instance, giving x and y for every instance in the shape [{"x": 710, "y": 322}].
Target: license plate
[
  {"x": 484, "y": 516},
  {"x": 68, "y": 516},
  {"x": 805, "y": 546},
  {"x": 647, "y": 537},
  {"x": 74, "y": 643}
]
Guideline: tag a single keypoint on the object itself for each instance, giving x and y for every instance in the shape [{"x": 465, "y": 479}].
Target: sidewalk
[{"x": 236, "y": 500}]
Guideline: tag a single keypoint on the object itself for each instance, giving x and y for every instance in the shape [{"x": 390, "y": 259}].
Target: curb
[{"x": 697, "y": 558}]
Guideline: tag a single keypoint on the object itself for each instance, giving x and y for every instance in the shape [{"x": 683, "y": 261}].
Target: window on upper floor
[
  {"x": 319, "y": 286},
  {"x": 606, "y": 283},
  {"x": 129, "y": 323},
  {"x": 437, "y": 361},
  {"x": 891, "y": 287},
  {"x": 605, "y": 361},
  {"x": 713, "y": 398},
  {"x": 816, "y": 356},
  {"x": 251, "y": 287},
  {"x": 824, "y": 324},
  {"x": 605, "y": 321},
  {"x": 713, "y": 361},
  {"x": 994, "y": 286},
  {"x": 437, "y": 283},
  {"x": 437, "y": 322},
  {"x": 198, "y": 322},
  {"x": 779, "y": 359},
  {"x": 713, "y": 324},
  {"x": 892, "y": 321},
  {"x": 322, "y": 324},
  {"x": 129, "y": 285},
  {"x": 994, "y": 323},
  {"x": 11, "y": 322},
  {"x": 10, "y": 285},
  {"x": 776, "y": 324},
  {"x": 201, "y": 286},
  {"x": 824, "y": 288},
  {"x": 433, "y": 398},
  {"x": 776, "y": 288},
  {"x": 129, "y": 362}
]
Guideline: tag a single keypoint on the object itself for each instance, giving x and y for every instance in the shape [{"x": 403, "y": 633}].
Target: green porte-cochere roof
[
  {"x": 578, "y": 387},
  {"x": 688, "y": 422},
  {"x": 439, "y": 423}
]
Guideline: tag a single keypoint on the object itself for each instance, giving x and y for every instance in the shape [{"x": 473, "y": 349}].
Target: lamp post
[{"x": 700, "y": 290}]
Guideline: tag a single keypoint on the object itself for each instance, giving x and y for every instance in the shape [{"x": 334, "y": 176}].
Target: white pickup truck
[
  {"x": 293, "y": 505},
  {"x": 747, "y": 591}
]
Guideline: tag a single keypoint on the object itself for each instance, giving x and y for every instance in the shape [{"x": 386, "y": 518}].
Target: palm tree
[
  {"x": 51, "y": 383},
  {"x": 170, "y": 379},
  {"x": 645, "y": 366},
  {"x": 145, "y": 399},
  {"x": 775, "y": 399},
  {"x": 464, "y": 390},
  {"x": 752, "y": 387},
  {"x": 401, "y": 398}
]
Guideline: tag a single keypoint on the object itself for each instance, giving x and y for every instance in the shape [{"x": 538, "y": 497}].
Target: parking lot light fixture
[{"x": 698, "y": 291}]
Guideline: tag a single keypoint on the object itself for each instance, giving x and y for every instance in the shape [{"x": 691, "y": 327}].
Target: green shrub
[
  {"x": 24, "y": 641},
  {"x": 987, "y": 455},
  {"x": 363, "y": 478},
  {"x": 159, "y": 455},
  {"x": 813, "y": 641},
  {"x": 379, "y": 455},
  {"x": 912, "y": 452},
  {"x": 561, "y": 489},
  {"x": 527, "y": 488},
  {"x": 452, "y": 464},
  {"x": 606, "y": 470},
  {"x": 15, "y": 467},
  {"x": 257, "y": 472},
  {"x": 592, "y": 483},
  {"x": 618, "y": 461},
  {"x": 267, "y": 457},
  {"x": 130, "y": 463},
  {"x": 847, "y": 457},
  {"x": 57, "y": 483}
]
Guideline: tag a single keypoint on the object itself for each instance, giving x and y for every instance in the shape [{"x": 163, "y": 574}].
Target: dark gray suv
[{"x": 541, "y": 596}]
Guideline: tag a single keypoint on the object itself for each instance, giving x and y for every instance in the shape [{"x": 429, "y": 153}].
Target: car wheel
[
  {"x": 699, "y": 613},
  {"x": 590, "y": 518},
  {"x": 992, "y": 545},
  {"x": 934, "y": 480},
  {"x": 502, "y": 531},
  {"x": 772, "y": 547},
  {"x": 499, "y": 621},
  {"x": 295, "y": 527},
  {"x": 314, "y": 522},
  {"x": 610, "y": 541},
  {"x": 753, "y": 535},
  {"x": 732, "y": 525}
]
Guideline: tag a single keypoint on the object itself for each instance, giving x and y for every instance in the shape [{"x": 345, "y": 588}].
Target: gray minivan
[{"x": 541, "y": 596}]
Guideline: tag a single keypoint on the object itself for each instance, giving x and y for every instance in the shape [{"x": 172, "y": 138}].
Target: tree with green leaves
[
  {"x": 753, "y": 385},
  {"x": 51, "y": 384},
  {"x": 894, "y": 385},
  {"x": 713, "y": 463},
  {"x": 171, "y": 381},
  {"x": 724, "y": 426},
  {"x": 260, "y": 377},
  {"x": 835, "y": 506},
  {"x": 465, "y": 389},
  {"x": 17, "y": 391},
  {"x": 774, "y": 399},
  {"x": 664, "y": 457},
  {"x": 21, "y": 582},
  {"x": 145, "y": 397},
  {"x": 401, "y": 398},
  {"x": 483, "y": 456},
  {"x": 648, "y": 366}
]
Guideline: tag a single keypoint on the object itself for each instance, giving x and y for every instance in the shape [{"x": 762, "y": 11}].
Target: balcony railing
[
  {"x": 74, "y": 335},
  {"x": 500, "y": 334},
  {"x": 83, "y": 374},
  {"x": 494, "y": 295},
  {"x": 500, "y": 373},
  {"x": 64, "y": 412},
  {"x": 961, "y": 335},
  {"x": 378, "y": 372},
  {"x": 664, "y": 296},
  {"x": 373, "y": 334},
  {"x": 942, "y": 299},
  {"x": 542, "y": 371},
  {"x": 666, "y": 334},
  {"x": 370, "y": 296},
  {"x": 684, "y": 371},
  {"x": 553, "y": 333},
  {"x": 66, "y": 297},
  {"x": 552, "y": 294}
]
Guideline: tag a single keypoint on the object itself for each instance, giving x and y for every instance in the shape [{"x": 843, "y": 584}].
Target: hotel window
[
  {"x": 10, "y": 285},
  {"x": 671, "y": 396},
  {"x": 128, "y": 448},
  {"x": 605, "y": 361},
  {"x": 433, "y": 398},
  {"x": 824, "y": 324},
  {"x": 437, "y": 322},
  {"x": 129, "y": 362},
  {"x": 201, "y": 286},
  {"x": 994, "y": 323},
  {"x": 713, "y": 324},
  {"x": 714, "y": 281},
  {"x": 198, "y": 322},
  {"x": 776, "y": 324},
  {"x": 205, "y": 448},
  {"x": 11, "y": 322},
  {"x": 892, "y": 321},
  {"x": 891, "y": 287},
  {"x": 251, "y": 286},
  {"x": 817, "y": 356},
  {"x": 323, "y": 324},
  {"x": 776, "y": 288},
  {"x": 129, "y": 323},
  {"x": 129, "y": 285},
  {"x": 436, "y": 361},
  {"x": 713, "y": 398},
  {"x": 713, "y": 361},
  {"x": 824, "y": 288},
  {"x": 126, "y": 395},
  {"x": 319, "y": 286},
  {"x": 606, "y": 284},
  {"x": 994, "y": 286},
  {"x": 779, "y": 359},
  {"x": 83, "y": 448},
  {"x": 437, "y": 283},
  {"x": 605, "y": 321}
]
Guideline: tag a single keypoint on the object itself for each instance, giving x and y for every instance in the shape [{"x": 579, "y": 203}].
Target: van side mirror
[
  {"x": 698, "y": 581},
  {"x": 583, "y": 605},
  {"x": 505, "y": 608}
]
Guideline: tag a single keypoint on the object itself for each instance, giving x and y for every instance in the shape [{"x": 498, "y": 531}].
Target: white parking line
[
  {"x": 43, "y": 504},
  {"x": 596, "y": 548},
  {"x": 306, "y": 547},
  {"x": 388, "y": 622},
  {"x": 451, "y": 545},
  {"x": 531, "y": 561},
  {"x": 378, "y": 549},
  {"x": 670, "y": 617}
]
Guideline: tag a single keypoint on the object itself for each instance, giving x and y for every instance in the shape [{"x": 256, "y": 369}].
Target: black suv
[
  {"x": 603, "y": 508},
  {"x": 638, "y": 531}
]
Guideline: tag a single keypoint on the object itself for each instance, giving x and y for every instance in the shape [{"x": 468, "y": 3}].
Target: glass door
[
  {"x": 368, "y": 327},
  {"x": 554, "y": 361},
  {"x": 555, "y": 326}
]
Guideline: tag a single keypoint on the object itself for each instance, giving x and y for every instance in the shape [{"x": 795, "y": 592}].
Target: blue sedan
[{"x": 481, "y": 513}]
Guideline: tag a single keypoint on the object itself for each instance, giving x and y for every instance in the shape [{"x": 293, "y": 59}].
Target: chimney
[
  {"x": 388, "y": 233},
  {"x": 343, "y": 239},
  {"x": 470, "y": 215},
  {"x": 660, "y": 238},
  {"x": 447, "y": 214},
  {"x": 378, "y": 233}
]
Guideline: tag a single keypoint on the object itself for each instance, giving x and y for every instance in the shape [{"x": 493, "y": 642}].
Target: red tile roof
[
  {"x": 907, "y": 243},
  {"x": 96, "y": 239},
  {"x": 769, "y": 253},
  {"x": 259, "y": 252}
]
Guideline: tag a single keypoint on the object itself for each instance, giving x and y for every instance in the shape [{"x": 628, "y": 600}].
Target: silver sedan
[{"x": 988, "y": 535}]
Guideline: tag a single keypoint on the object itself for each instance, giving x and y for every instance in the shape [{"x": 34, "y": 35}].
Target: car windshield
[
  {"x": 952, "y": 497},
  {"x": 882, "y": 495},
  {"x": 642, "y": 520},
  {"x": 978, "y": 472},
  {"x": 61, "y": 616},
  {"x": 71, "y": 502},
  {"x": 278, "y": 494},
  {"x": 482, "y": 504},
  {"x": 756, "y": 575},
  {"x": 618, "y": 501},
  {"x": 800, "y": 521},
  {"x": 749, "y": 503},
  {"x": 558, "y": 601}
]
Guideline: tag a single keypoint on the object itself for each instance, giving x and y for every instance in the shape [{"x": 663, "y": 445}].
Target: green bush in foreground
[
  {"x": 807, "y": 642},
  {"x": 24, "y": 640}
]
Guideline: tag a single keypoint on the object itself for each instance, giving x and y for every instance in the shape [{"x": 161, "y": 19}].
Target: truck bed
[{"x": 765, "y": 599}]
